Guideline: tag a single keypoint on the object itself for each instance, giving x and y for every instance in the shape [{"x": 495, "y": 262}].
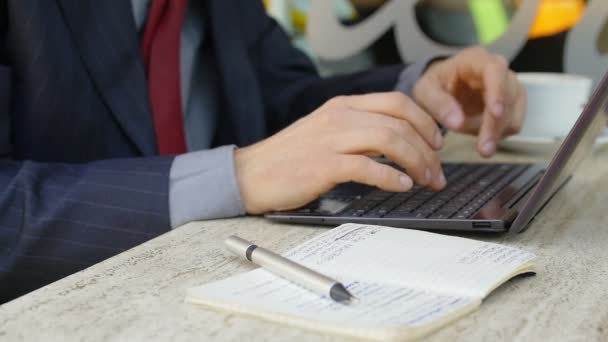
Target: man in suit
[{"x": 120, "y": 119}]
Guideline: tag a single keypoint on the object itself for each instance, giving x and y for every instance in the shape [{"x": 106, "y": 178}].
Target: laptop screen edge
[{"x": 577, "y": 145}]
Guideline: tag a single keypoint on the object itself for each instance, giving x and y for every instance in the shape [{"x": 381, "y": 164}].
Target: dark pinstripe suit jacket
[{"x": 79, "y": 176}]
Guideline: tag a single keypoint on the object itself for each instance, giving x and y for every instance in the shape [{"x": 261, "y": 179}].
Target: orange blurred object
[{"x": 555, "y": 16}]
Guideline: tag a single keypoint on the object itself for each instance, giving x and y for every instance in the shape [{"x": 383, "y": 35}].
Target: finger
[
  {"x": 361, "y": 169},
  {"x": 477, "y": 64},
  {"x": 497, "y": 85},
  {"x": 424, "y": 169},
  {"x": 514, "y": 111},
  {"x": 479, "y": 68},
  {"x": 490, "y": 132},
  {"x": 472, "y": 124},
  {"x": 492, "y": 128},
  {"x": 366, "y": 120},
  {"x": 400, "y": 106},
  {"x": 361, "y": 120},
  {"x": 517, "y": 109},
  {"x": 439, "y": 103}
]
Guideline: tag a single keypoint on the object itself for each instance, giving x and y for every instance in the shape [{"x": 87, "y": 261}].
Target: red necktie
[{"x": 160, "y": 50}]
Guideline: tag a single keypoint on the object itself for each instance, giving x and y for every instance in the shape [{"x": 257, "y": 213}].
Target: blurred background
[{"x": 455, "y": 23}]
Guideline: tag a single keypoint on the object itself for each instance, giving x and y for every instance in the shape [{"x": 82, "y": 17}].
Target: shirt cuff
[
  {"x": 203, "y": 186},
  {"x": 413, "y": 72}
]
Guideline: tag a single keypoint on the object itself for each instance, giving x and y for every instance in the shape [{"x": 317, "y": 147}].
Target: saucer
[{"x": 518, "y": 142}]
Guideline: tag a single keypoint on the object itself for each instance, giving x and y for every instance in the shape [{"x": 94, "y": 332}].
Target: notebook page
[
  {"x": 411, "y": 258},
  {"x": 260, "y": 293}
]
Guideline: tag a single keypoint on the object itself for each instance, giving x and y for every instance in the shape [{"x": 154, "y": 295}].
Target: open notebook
[{"x": 409, "y": 283}]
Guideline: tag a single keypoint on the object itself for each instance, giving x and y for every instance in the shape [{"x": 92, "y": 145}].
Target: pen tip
[
  {"x": 353, "y": 300},
  {"x": 340, "y": 294}
]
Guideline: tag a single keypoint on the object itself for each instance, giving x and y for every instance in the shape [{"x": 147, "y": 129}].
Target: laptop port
[{"x": 482, "y": 225}]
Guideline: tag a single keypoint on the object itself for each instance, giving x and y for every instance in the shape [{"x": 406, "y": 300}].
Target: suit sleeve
[
  {"x": 291, "y": 86},
  {"x": 57, "y": 219}
]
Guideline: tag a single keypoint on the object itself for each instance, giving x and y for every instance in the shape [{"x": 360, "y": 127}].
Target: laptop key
[
  {"x": 445, "y": 212},
  {"x": 350, "y": 213},
  {"x": 469, "y": 188},
  {"x": 423, "y": 213},
  {"x": 394, "y": 214}
]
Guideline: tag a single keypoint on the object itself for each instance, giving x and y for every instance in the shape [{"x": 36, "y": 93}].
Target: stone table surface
[{"x": 139, "y": 294}]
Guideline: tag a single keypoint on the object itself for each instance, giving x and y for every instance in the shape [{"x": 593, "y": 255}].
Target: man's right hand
[{"x": 332, "y": 146}]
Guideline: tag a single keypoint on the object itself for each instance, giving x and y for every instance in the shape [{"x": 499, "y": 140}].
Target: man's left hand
[{"x": 474, "y": 92}]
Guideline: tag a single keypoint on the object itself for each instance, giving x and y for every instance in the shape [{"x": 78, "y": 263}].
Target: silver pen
[{"x": 288, "y": 269}]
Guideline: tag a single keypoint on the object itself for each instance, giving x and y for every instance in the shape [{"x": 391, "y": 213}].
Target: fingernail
[
  {"x": 428, "y": 177},
  {"x": 406, "y": 182},
  {"x": 488, "y": 148},
  {"x": 442, "y": 181},
  {"x": 438, "y": 140},
  {"x": 454, "y": 120},
  {"x": 498, "y": 109}
]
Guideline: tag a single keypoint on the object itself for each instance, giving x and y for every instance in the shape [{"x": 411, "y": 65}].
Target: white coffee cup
[{"x": 555, "y": 101}]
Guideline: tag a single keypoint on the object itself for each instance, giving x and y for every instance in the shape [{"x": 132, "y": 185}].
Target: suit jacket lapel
[
  {"x": 104, "y": 32},
  {"x": 241, "y": 91}
]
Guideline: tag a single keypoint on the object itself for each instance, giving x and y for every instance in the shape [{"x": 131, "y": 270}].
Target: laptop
[{"x": 480, "y": 197}]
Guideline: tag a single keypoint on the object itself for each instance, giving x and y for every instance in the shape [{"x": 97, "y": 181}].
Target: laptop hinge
[{"x": 509, "y": 217}]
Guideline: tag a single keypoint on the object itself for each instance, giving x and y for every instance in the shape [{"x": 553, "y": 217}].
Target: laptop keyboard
[{"x": 470, "y": 187}]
